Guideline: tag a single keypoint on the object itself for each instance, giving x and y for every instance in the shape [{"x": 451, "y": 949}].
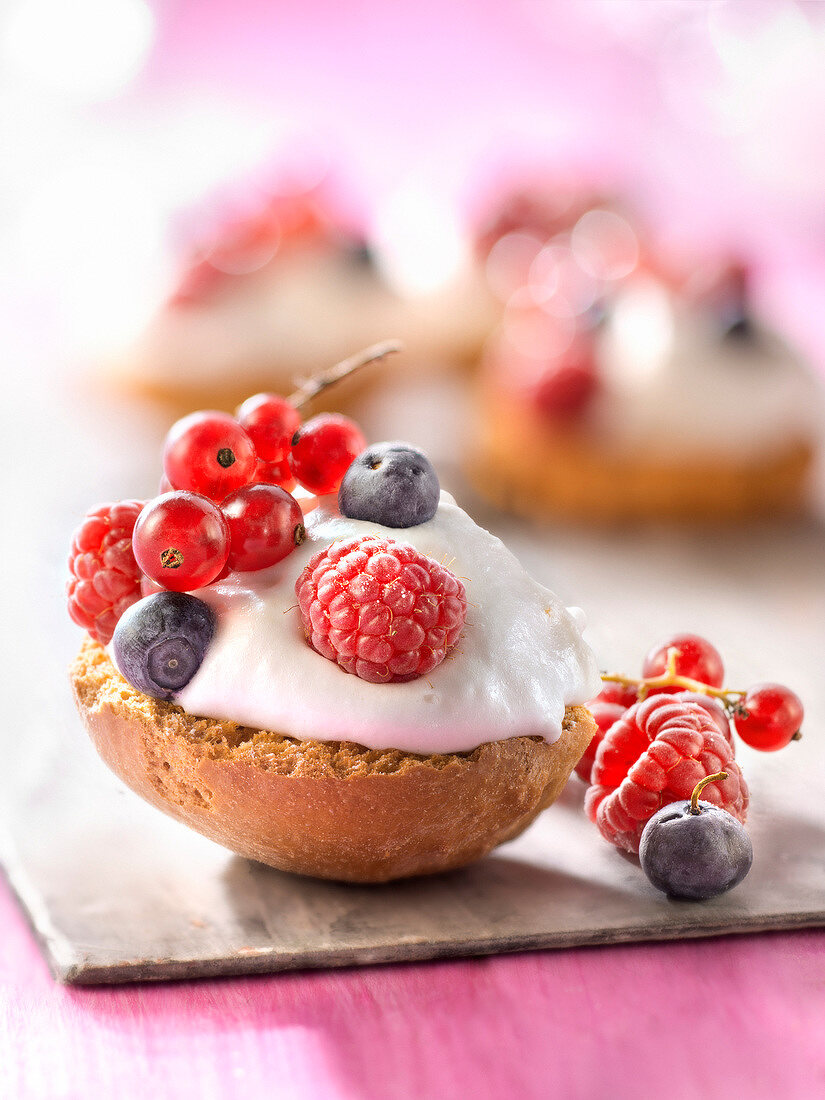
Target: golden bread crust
[{"x": 330, "y": 809}]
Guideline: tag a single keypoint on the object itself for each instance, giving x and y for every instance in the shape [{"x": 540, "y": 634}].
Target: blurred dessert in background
[
  {"x": 522, "y": 230},
  {"x": 618, "y": 390},
  {"x": 268, "y": 296}
]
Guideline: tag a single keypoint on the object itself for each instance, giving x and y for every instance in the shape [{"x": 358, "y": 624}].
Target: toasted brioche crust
[
  {"x": 567, "y": 473},
  {"x": 332, "y": 809}
]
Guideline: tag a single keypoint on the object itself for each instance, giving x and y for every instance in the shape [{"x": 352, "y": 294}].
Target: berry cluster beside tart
[
  {"x": 354, "y": 682},
  {"x": 271, "y": 291},
  {"x": 667, "y": 737}
]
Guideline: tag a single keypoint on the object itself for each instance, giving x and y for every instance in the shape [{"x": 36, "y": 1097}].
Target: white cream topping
[
  {"x": 674, "y": 383},
  {"x": 306, "y": 309},
  {"x": 520, "y": 661}
]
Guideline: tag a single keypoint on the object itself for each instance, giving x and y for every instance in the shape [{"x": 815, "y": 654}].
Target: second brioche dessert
[
  {"x": 360, "y": 699},
  {"x": 619, "y": 390},
  {"x": 268, "y": 296}
]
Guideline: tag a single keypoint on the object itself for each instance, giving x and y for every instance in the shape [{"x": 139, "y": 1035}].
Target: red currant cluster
[
  {"x": 766, "y": 716},
  {"x": 660, "y": 734},
  {"x": 229, "y": 507},
  {"x": 225, "y": 505}
]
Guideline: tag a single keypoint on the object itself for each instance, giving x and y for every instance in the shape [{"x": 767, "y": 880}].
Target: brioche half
[
  {"x": 569, "y": 474},
  {"x": 332, "y": 809}
]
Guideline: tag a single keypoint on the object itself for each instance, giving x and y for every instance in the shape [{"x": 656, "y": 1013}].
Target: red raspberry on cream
[{"x": 380, "y": 609}]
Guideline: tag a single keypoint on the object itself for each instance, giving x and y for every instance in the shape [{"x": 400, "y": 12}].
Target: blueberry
[
  {"x": 694, "y": 854},
  {"x": 359, "y": 254},
  {"x": 160, "y": 642},
  {"x": 739, "y": 327},
  {"x": 393, "y": 484}
]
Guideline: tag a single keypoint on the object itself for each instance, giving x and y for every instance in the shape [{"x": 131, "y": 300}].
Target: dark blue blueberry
[
  {"x": 160, "y": 642},
  {"x": 739, "y": 327},
  {"x": 359, "y": 253},
  {"x": 393, "y": 484},
  {"x": 695, "y": 855},
  {"x": 733, "y": 305}
]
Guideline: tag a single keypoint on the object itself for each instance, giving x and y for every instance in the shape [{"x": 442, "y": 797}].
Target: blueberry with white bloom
[{"x": 393, "y": 484}]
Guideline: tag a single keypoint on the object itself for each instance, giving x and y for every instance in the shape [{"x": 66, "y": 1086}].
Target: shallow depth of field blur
[
  {"x": 118, "y": 116},
  {"x": 126, "y": 125}
]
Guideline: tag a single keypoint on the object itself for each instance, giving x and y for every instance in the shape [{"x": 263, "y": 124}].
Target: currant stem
[
  {"x": 313, "y": 386},
  {"x": 671, "y": 678},
  {"x": 646, "y": 685},
  {"x": 700, "y": 786}
]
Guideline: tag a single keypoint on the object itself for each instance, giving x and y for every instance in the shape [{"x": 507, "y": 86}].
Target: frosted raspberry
[
  {"x": 606, "y": 710},
  {"x": 380, "y": 609},
  {"x": 656, "y": 754},
  {"x": 105, "y": 578},
  {"x": 604, "y": 715}
]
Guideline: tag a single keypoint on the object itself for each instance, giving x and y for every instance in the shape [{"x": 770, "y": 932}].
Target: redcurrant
[
  {"x": 181, "y": 541},
  {"x": 274, "y": 473},
  {"x": 270, "y": 421},
  {"x": 569, "y": 383},
  {"x": 323, "y": 450},
  {"x": 772, "y": 719},
  {"x": 265, "y": 524},
  {"x": 696, "y": 659},
  {"x": 209, "y": 453},
  {"x": 148, "y": 586},
  {"x": 623, "y": 694}
]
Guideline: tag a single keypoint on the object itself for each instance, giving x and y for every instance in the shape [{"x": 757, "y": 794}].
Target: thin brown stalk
[{"x": 319, "y": 382}]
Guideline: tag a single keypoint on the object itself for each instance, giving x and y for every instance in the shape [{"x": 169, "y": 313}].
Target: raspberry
[
  {"x": 380, "y": 609},
  {"x": 612, "y": 702},
  {"x": 624, "y": 694},
  {"x": 105, "y": 577},
  {"x": 654, "y": 755},
  {"x": 604, "y": 714},
  {"x": 239, "y": 246}
]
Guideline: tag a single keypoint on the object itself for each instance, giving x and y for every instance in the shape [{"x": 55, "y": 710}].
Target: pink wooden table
[{"x": 742, "y": 1016}]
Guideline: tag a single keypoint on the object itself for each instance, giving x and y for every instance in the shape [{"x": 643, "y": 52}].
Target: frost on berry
[
  {"x": 654, "y": 755},
  {"x": 379, "y": 609}
]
